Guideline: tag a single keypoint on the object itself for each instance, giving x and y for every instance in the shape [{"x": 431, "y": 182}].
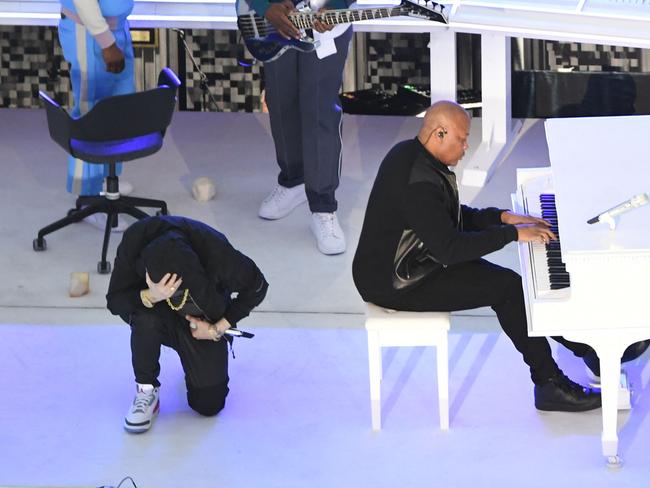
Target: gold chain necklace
[{"x": 176, "y": 308}]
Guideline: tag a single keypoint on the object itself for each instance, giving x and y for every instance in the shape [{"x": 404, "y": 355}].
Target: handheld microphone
[
  {"x": 231, "y": 332},
  {"x": 239, "y": 333},
  {"x": 608, "y": 215},
  {"x": 180, "y": 32}
]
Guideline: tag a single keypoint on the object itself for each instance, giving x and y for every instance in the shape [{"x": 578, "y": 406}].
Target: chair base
[{"x": 89, "y": 205}]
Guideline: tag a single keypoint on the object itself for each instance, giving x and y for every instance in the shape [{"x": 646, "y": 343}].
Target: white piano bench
[{"x": 390, "y": 328}]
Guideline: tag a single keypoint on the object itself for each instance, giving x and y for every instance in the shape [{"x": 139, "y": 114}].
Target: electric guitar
[{"x": 266, "y": 44}]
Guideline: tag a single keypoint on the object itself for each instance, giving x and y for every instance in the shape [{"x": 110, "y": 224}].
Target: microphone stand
[{"x": 203, "y": 82}]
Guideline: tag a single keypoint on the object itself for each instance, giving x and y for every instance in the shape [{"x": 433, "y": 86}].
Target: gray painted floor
[{"x": 298, "y": 412}]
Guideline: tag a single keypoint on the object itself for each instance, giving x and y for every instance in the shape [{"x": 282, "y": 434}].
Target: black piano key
[{"x": 560, "y": 277}]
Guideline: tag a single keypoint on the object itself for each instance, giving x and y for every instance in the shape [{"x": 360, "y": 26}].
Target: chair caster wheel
[
  {"x": 103, "y": 267},
  {"x": 39, "y": 244}
]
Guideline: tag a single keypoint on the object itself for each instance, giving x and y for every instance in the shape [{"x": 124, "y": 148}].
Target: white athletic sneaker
[
  {"x": 99, "y": 220},
  {"x": 328, "y": 233},
  {"x": 143, "y": 410},
  {"x": 282, "y": 201}
]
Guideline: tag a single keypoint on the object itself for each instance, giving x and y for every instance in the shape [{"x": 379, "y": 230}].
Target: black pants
[
  {"x": 478, "y": 284},
  {"x": 204, "y": 362}
]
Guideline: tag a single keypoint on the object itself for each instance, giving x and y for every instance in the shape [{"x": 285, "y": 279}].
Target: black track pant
[
  {"x": 204, "y": 362},
  {"x": 479, "y": 284}
]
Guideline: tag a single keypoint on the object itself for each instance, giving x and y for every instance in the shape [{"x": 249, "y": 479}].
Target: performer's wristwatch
[{"x": 144, "y": 297}]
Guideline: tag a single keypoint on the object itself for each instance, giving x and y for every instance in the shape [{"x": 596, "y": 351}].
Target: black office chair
[{"x": 116, "y": 129}]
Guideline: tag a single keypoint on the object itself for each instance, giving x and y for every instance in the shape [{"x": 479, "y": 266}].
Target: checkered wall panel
[
  {"x": 593, "y": 57},
  {"x": 29, "y": 58},
  {"x": 234, "y": 78},
  {"x": 395, "y": 59}
]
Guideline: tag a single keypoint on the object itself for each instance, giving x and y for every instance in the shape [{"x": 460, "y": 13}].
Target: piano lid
[{"x": 597, "y": 163}]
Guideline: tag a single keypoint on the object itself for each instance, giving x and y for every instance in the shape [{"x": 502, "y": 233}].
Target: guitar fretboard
[
  {"x": 306, "y": 20},
  {"x": 255, "y": 27}
]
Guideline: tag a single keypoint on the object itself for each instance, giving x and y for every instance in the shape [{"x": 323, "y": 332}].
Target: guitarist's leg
[
  {"x": 320, "y": 83},
  {"x": 281, "y": 85}
]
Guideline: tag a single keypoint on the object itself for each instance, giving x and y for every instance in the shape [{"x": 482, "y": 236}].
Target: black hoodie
[{"x": 210, "y": 268}]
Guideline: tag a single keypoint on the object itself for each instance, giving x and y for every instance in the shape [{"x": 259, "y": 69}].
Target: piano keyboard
[
  {"x": 542, "y": 267},
  {"x": 558, "y": 276}
]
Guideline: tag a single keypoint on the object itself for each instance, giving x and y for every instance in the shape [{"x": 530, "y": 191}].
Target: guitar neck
[{"x": 342, "y": 16}]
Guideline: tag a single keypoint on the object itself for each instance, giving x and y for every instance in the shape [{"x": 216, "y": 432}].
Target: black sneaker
[{"x": 560, "y": 394}]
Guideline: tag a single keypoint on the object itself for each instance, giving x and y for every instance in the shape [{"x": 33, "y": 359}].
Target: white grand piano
[{"x": 596, "y": 163}]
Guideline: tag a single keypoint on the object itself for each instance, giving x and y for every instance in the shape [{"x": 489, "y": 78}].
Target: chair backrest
[
  {"x": 117, "y": 118},
  {"x": 126, "y": 116}
]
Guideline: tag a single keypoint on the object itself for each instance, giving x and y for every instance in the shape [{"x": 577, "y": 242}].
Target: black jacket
[
  {"x": 222, "y": 270},
  {"x": 412, "y": 191}
]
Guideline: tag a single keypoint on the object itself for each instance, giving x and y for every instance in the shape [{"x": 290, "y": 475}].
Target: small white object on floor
[
  {"x": 79, "y": 284},
  {"x": 203, "y": 189}
]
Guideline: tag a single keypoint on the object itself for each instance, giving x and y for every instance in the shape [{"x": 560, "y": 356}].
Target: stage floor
[{"x": 298, "y": 413}]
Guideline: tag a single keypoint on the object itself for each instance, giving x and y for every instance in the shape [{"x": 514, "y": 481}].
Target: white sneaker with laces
[
  {"x": 328, "y": 233},
  {"x": 282, "y": 201},
  {"x": 99, "y": 220},
  {"x": 144, "y": 408}
]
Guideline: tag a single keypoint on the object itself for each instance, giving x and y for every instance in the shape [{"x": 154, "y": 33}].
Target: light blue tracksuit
[{"x": 91, "y": 82}]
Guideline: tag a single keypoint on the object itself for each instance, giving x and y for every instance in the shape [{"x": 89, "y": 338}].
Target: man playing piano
[{"x": 420, "y": 250}]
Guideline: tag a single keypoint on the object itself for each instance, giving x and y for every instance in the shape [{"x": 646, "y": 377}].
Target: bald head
[
  {"x": 441, "y": 114},
  {"x": 444, "y": 131}
]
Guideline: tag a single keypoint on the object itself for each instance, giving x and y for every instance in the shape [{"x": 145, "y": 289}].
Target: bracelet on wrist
[{"x": 145, "y": 298}]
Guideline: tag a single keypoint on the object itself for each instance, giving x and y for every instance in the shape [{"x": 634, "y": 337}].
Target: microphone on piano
[
  {"x": 180, "y": 32},
  {"x": 608, "y": 215}
]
